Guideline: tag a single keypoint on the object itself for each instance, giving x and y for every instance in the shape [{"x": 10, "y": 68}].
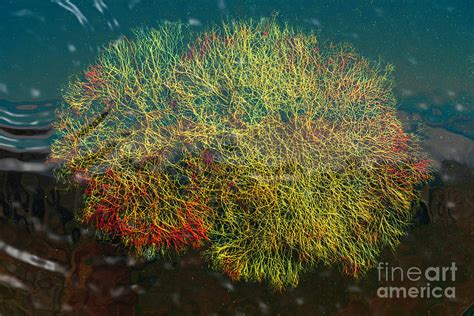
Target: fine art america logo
[{"x": 423, "y": 280}]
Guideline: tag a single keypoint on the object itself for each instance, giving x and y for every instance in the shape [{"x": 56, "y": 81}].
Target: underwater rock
[
  {"x": 444, "y": 145},
  {"x": 455, "y": 114}
]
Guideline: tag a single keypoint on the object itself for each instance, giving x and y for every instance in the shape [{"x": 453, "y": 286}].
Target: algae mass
[{"x": 270, "y": 151}]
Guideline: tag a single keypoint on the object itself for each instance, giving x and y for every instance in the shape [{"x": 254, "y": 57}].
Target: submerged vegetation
[{"x": 254, "y": 141}]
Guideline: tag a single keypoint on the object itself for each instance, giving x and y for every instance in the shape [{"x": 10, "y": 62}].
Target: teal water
[
  {"x": 50, "y": 265},
  {"x": 45, "y": 42}
]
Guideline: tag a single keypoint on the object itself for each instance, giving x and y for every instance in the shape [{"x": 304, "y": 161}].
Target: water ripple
[
  {"x": 26, "y": 127},
  {"x": 12, "y": 281},
  {"x": 69, "y": 6},
  {"x": 31, "y": 258}
]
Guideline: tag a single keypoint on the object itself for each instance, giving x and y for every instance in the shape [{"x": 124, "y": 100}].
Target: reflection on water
[{"x": 31, "y": 259}]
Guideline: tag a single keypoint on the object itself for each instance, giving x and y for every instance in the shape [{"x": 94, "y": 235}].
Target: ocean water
[{"x": 51, "y": 265}]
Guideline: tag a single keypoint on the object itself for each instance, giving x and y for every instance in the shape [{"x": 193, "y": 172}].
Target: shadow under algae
[{"x": 253, "y": 141}]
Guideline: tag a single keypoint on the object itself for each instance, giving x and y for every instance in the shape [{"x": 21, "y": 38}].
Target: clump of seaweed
[
  {"x": 274, "y": 150},
  {"x": 121, "y": 137}
]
